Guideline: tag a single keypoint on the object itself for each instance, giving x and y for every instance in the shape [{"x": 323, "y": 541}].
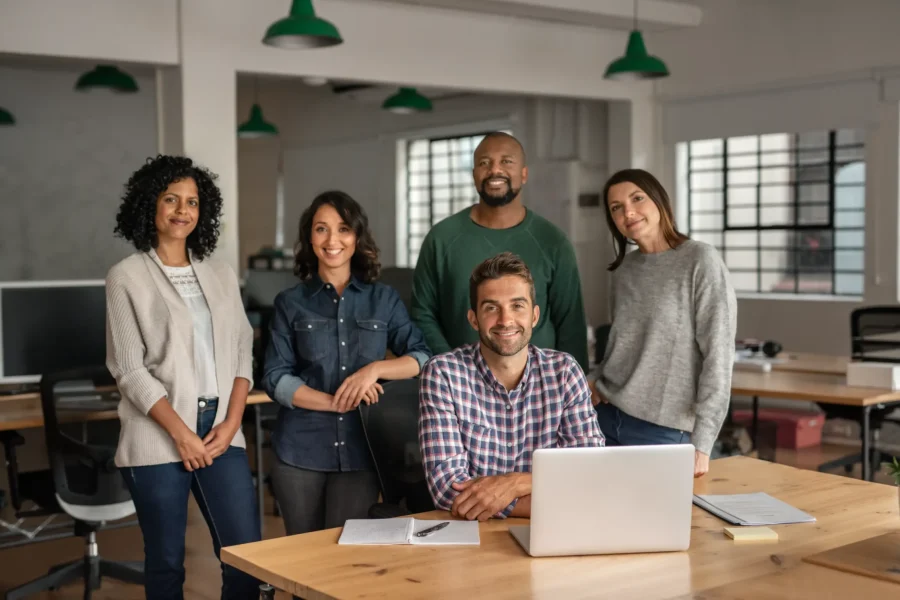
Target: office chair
[
  {"x": 874, "y": 337},
  {"x": 401, "y": 279},
  {"x": 82, "y": 482},
  {"x": 392, "y": 432}
]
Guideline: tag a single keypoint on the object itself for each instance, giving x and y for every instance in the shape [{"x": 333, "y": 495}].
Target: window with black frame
[
  {"x": 786, "y": 211},
  {"x": 438, "y": 184}
]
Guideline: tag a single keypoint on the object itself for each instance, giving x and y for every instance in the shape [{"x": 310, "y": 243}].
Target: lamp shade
[
  {"x": 256, "y": 126},
  {"x": 107, "y": 76},
  {"x": 407, "y": 101},
  {"x": 636, "y": 65},
  {"x": 302, "y": 29},
  {"x": 6, "y": 117}
]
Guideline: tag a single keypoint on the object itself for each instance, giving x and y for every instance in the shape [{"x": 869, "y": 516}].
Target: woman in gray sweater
[
  {"x": 179, "y": 346},
  {"x": 666, "y": 375}
]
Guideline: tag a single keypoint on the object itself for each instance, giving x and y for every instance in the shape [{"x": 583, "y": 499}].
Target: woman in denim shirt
[{"x": 330, "y": 336}]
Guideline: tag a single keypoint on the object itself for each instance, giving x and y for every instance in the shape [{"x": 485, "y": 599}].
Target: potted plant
[{"x": 894, "y": 471}]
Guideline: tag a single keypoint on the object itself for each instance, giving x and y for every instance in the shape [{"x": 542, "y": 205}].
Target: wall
[
  {"x": 62, "y": 171},
  {"x": 785, "y": 67},
  {"x": 331, "y": 141}
]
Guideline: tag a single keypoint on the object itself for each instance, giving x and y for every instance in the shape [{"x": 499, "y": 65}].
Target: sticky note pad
[{"x": 751, "y": 534}]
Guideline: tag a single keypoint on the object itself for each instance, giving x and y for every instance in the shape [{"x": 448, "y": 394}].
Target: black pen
[{"x": 430, "y": 530}]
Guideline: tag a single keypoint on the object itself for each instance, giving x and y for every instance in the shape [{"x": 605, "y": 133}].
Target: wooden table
[
  {"x": 804, "y": 581},
  {"x": 314, "y": 567},
  {"x": 807, "y": 362},
  {"x": 23, "y": 411},
  {"x": 813, "y": 387}
]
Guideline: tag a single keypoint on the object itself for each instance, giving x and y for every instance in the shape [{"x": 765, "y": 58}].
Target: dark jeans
[
  {"x": 621, "y": 429},
  {"x": 224, "y": 491},
  {"x": 315, "y": 500}
]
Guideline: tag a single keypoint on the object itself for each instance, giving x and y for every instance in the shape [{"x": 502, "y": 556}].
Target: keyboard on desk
[{"x": 91, "y": 401}]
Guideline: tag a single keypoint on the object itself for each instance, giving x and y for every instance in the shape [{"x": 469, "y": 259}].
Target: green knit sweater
[{"x": 456, "y": 245}]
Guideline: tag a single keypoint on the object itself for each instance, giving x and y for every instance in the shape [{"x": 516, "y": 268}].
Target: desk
[
  {"x": 806, "y": 362},
  {"x": 23, "y": 411},
  {"x": 811, "y": 387},
  {"x": 314, "y": 567},
  {"x": 804, "y": 581}
]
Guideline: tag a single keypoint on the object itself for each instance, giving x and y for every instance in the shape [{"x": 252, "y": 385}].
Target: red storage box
[{"x": 794, "y": 429}]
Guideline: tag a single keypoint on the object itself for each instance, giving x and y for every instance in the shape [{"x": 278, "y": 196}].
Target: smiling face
[
  {"x": 178, "y": 210},
  {"x": 635, "y": 214},
  {"x": 500, "y": 170},
  {"x": 333, "y": 240},
  {"x": 505, "y": 314}
]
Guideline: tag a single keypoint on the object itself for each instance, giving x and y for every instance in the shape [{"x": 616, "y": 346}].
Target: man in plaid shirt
[{"x": 485, "y": 408}]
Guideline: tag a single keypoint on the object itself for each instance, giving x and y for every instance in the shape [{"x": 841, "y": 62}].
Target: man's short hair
[{"x": 502, "y": 265}]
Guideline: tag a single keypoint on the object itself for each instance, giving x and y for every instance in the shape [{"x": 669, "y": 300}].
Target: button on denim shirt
[{"x": 319, "y": 339}]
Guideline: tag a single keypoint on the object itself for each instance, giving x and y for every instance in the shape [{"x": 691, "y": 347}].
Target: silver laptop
[{"x": 612, "y": 500}]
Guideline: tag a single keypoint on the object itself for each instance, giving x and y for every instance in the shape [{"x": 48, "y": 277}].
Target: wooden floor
[{"x": 19, "y": 565}]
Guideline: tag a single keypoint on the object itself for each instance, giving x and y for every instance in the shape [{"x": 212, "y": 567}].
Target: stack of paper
[
  {"x": 752, "y": 509},
  {"x": 403, "y": 531}
]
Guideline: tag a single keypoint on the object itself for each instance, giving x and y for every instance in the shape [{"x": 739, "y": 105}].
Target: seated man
[{"x": 485, "y": 408}]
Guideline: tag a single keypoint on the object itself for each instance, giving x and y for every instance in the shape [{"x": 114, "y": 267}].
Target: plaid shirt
[{"x": 470, "y": 426}]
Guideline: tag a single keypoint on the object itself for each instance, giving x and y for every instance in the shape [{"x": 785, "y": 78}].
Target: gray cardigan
[{"x": 149, "y": 350}]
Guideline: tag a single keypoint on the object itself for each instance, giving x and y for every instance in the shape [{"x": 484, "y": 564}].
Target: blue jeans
[
  {"x": 621, "y": 429},
  {"x": 224, "y": 491}
]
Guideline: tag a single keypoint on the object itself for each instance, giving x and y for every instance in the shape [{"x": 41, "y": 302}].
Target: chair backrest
[
  {"x": 875, "y": 333},
  {"x": 84, "y": 473},
  {"x": 399, "y": 278},
  {"x": 392, "y": 430}
]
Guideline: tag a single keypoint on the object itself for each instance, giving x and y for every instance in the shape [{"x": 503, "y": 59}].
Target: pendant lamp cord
[{"x": 635, "y": 15}]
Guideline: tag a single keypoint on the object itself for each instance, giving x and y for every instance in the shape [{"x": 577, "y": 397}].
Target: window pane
[
  {"x": 776, "y": 159},
  {"x": 742, "y": 196},
  {"x": 743, "y": 177},
  {"x": 848, "y": 283},
  {"x": 418, "y": 180},
  {"x": 771, "y": 216},
  {"x": 706, "y": 147},
  {"x": 713, "y": 239},
  {"x": 744, "y": 282},
  {"x": 741, "y": 259},
  {"x": 775, "y": 175},
  {"x": 774, "y": 260},
  {"x": 705, "y": 164},
  {"x": 777, "y": 238},
  {"x": 706, "y": 181},
  {"x": 705, "y": 201},
  {"x": 775, "y": 141},
  {"x": 743, "y": 161},
  {"x": 849, "y": 219},
  {"x": 418, "y": 148},
  {"x": 776, "y": 282},
  {"x": 813, "y": 214},
  {"x": 706, "y": 222},
  {"x": 812, "y": 193},
  {"x": 742, "y": 217},
  {"x": 741, "y": 145},
  {"x": 814, "y": 283},
  {"x": 741, "y": 239},
  {"x": 849, "y": 238},
  {"x": 776, "y": 194},
  {"x": 849, "y": 260}
]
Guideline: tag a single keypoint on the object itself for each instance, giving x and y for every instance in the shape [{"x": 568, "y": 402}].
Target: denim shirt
[{"x": 319, "y": 339}]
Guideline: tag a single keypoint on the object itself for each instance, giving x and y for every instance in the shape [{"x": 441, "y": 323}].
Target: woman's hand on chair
[{"x": 354, "y": 389}]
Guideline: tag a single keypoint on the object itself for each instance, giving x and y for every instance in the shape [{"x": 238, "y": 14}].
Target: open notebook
[
  {"x": 403, "y": 531},
  {"x": 752, "y": 509}
]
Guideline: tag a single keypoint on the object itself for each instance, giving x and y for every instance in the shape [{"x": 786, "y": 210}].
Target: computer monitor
[
  {"x": 50, "y": 326},
  {"x": 261, "y": 287}
]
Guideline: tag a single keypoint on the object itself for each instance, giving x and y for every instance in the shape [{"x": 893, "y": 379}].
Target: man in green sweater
[{"x": 498, "y": 223}]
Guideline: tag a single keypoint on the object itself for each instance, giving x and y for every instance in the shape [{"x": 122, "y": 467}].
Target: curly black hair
[
  {"x": 364, "y": 263},
  {"x": 136, "y": 220}
]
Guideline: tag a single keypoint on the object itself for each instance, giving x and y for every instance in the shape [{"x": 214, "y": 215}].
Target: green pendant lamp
[
  {"x": 256, "y": 126},
  {"x": 636, "y": 65},
  {"x": 6, "y": 117},
  {"x": 407, "y": 101},
  {"x": 107, "y": 76},
  {"x": 302, "y": 29}
]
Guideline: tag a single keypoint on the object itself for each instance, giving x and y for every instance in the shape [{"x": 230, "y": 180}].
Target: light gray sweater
[
  {"x": 671, "y": 347},
  {"x": 150, "y": 350}
]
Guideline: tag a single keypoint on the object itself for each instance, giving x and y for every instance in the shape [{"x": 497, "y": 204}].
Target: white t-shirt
[{"x": 185, "y": 281}]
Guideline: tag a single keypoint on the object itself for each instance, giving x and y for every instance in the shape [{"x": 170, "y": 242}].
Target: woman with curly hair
[
  {"x": 330, "y": 336},
  {"x": 179, "y": 346}
]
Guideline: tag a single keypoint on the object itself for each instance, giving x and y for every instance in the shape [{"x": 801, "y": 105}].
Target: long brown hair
[
  {"x": 656, "y": 192},
  {"x": 364, "y": 263}
]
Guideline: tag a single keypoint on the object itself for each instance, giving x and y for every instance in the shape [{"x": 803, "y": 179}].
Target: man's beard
[
  {"x": 496, "y": 201},
  {"x": 497, "y": 349}
]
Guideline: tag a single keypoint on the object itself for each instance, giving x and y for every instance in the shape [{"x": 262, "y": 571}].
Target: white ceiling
[{"x": 653, "y": 15}]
